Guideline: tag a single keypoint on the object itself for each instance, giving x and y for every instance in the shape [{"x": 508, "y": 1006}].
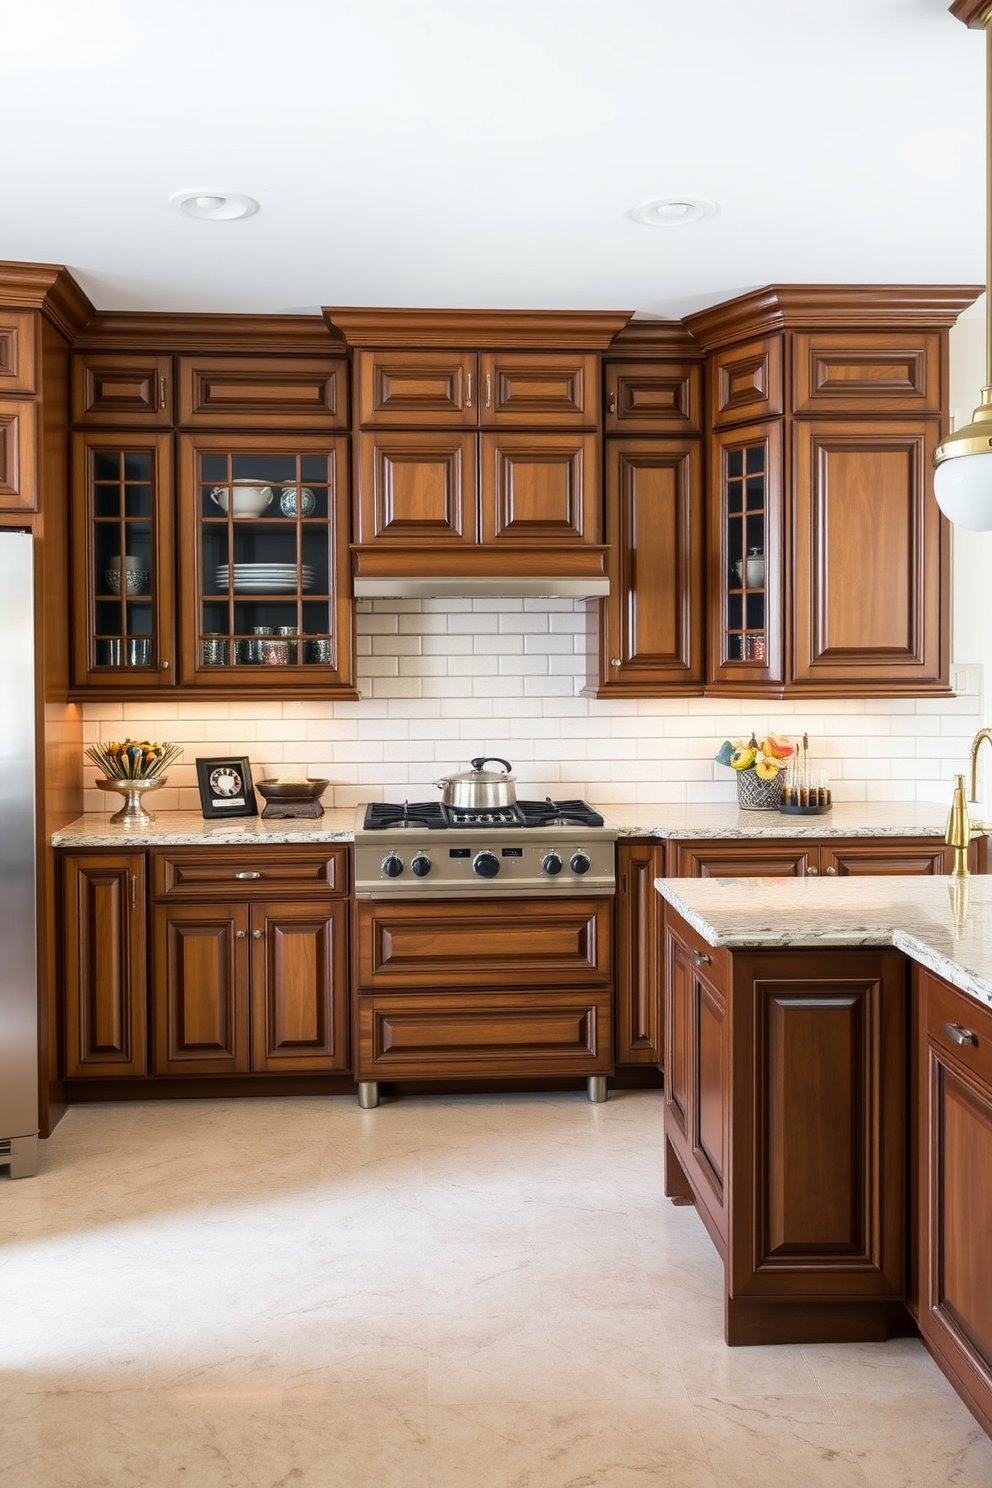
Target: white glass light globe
[{"x": 962, "y": 486}]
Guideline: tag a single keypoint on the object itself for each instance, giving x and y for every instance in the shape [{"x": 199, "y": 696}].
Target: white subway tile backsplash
[{"x": 443, "y": 681}]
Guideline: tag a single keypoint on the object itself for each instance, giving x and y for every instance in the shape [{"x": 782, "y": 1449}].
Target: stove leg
[
  {"x": 368, "y": 1094},
  {"x": 596, "y": 1086}
]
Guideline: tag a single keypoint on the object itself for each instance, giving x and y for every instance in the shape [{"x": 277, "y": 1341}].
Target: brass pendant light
[{"x": 962, "y": 482}]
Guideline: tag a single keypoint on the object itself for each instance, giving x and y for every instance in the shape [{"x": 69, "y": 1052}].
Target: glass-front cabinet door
[
  {"x": 264, "y": 565},
  {"x": 123, "y": 562},
  {"x": 746, "y": 557}
]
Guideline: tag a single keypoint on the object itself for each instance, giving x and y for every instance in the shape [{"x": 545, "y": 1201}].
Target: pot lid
[{"x": 478, "y": 776}]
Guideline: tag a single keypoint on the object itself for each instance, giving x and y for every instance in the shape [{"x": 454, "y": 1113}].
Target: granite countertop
[
  {"x": 943, "y": 923},
  {"x": 861, "y": 819}
]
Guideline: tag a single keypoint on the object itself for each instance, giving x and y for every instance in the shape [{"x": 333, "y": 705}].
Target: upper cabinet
[
  {"x": 18, "y": 418},
  {"x": 121, "y": 391}
]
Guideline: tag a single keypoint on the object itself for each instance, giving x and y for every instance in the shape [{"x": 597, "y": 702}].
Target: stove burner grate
[{"x": 431, "y": 815}]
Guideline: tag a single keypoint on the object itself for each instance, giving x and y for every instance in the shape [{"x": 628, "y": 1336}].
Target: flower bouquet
[{"x": 759, "y": 769}]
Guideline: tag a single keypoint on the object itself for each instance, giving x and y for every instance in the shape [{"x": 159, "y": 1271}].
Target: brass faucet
[
  {"x": 976, "y": 745},
  {"x": 958, "y": 834}
]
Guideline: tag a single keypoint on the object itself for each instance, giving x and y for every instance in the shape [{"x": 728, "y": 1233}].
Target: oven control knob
[
  {"x": 421, "y": 865},
  {"x": 580, "y": 863},
  {"x": 486, "y": 864},
  {"x": 551, "y": 863},
  {"x": 392, "y": 866}
]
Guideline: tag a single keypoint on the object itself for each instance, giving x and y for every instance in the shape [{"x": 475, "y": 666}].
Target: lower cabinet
[
  {"x": 785, "y": 1123},
  {"x": 460, "y": 989},
  {"x": 640, "y": 916},
  {"x": 248, "y": 987},
  {"x": 955, "y": 1147},
  {"x": 103, "y": 964}
]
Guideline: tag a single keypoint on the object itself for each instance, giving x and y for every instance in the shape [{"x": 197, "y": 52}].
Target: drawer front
[
  {"x": 249, "y": 872},
  {"x": 959, "y": 1027},
  {"x": 417, "y": 389},
  {"x": 834, "y": 372},
  {"x": 515, "y": 943},
  {"x": 525, "y": 1034},
  {"x": 742, "y": 859},
  {"x": 555, "y": 391},
  {"x": 263, "y": 393},
  {"x": 122, "y": 391}
]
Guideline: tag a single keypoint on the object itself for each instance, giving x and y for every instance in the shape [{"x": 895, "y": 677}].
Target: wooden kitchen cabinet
[
  {"x": 122, "y": 390},
  {"x": 254, "y": 392},
  {"x": 103, "y": 964},
  {"x": 430, "y": 389},
  {"x": 417, "y": 488},
  {"x": 249, "y": 960},
  {"x": 18, "y": 351},
  {"x": 458, "y": 988},
  {"x": 18, "y": 455},
  {"x": 785, "y": 1120},
  {"x": 647, "y": 637},
  {"x": 955, "y": 1153},
  {"x": 653, "y": 397},
  {"x": 540, "y": 489},
  {"x": 746, "y": 382},
  {"x": 640, "y": 993}
]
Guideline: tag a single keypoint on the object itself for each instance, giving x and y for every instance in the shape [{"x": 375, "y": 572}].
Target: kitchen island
[{"x": 828, "y": 1106}]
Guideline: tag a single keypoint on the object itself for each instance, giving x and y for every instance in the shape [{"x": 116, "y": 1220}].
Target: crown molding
[
  {"x": 971, "y": 12},
  {"x": 653, "y": 338},
  {"x": 831, "y": 307},
  {"x": 141, "y": 330},
  {"x": 578, "y": 330},
  {"x": 49, "y": 288}
]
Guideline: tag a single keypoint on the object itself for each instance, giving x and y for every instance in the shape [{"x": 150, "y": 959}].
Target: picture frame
[{"x": 226, "y": 786}]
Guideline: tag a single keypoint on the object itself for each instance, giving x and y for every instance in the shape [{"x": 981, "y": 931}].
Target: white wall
[{"x": 442, "y": 681}]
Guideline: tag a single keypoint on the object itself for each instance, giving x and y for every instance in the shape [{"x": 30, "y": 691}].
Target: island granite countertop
[
  {"x": 943, "y": 923},
  {"x": 846, "y": 819}
]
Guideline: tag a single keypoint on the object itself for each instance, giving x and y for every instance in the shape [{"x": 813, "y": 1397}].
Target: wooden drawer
[
  {"x": 653, "y": 398},
  {"x": 951, "y": 1015},
  {"x": 524, "y": 1034},
  {"x": 112, "y": 390},
  {"x": 834, "y": 372},
  {"x": 473, "y": 946},
  {"x": 249, "y": 872},
  {"x": 263, "y": 393},
  {"x": 741, "y": 859}
]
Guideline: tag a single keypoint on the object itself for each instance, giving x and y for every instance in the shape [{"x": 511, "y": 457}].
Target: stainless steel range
[{"x": 425, "y": 850}]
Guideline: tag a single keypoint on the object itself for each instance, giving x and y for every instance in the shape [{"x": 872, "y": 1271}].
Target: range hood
[{"x": 482, "y": 572}]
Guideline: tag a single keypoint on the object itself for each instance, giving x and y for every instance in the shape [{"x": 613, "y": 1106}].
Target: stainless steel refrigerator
[{"x": 18, "y": 943}]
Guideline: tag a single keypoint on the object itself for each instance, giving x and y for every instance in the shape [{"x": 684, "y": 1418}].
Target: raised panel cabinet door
[
  {"x": 678, "y": 1060},
  {"x": 955, "y": 1190},
  {"x": 417, "y": 488},
  {"x": 870, "y": 590},
  {"x": 299, "y": 987},
  {"x": 121, "y": 390},
  {"x": 18, "y": 351},
  {"x": 744, "y": 860},
  {"x": 746, "y": 382},
  {"x": 511, "y": 943},
  {"x": 493, "y": 1034},
  {"x": 653, "y": 398},
  {"x": 18, "y": 455},
  {"x": 253, "y": 392},
  {"x": 651, "y": 625},
  {"x": 123, "y": 564},
  {"x": 841, "y": 372},
  {"x": 819, "y": 1076},
  {"x": 540, "y": 489},
  {"x": 103, "y": 964},
  {"x": 553, "y": 390},
  {"x": 881, "y": 856},
  {"x": 200, "y": 965},
  {"x": 417, "y": 389},
  {"x": 745, "y": 573},
  {"x": 640, "y": 992}
]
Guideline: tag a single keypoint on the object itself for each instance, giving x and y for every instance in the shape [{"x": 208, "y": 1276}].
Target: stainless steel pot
[{"x": 478, "y": 789}]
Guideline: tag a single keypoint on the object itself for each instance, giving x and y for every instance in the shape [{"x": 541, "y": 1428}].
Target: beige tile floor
[{"x": 485, "y": 1292}]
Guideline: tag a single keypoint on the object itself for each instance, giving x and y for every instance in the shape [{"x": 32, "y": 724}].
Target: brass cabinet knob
[
  {"x": 812, "y": 872},
  {"x": 257, "y": 934},
  {"x": 240, "y": 935}
]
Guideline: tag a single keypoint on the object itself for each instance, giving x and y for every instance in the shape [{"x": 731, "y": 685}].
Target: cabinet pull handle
[
  {"x": 698, "y": 959},
  {"x": 489, "y": 390},
  {"x": 812, "y": 872},
  {"x": 257, "y": 934},
  {"x": 164, "y": 666},
  {"x": 161, "y": 390},
  {"x": 831, "y": 872},
  {"x": 468, "y": 390},
  {"x": 961, "y": 1035},
  {"x": 134, "y": 891},
  {"x": 611, "y": 402},
  {"x": 240, "y": 935},
  {"x": 246, "y": 874}
]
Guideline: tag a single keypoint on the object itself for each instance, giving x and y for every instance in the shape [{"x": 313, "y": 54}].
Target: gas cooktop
[{"x": 382, "y": 816}]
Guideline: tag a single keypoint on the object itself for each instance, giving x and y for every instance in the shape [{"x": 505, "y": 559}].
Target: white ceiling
[{"x": 487, "y": 152}]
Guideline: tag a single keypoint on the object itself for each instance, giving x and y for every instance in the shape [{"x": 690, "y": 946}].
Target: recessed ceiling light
[
  {"x": 674, "y": 211},
  {"x": 214, "y": 206}
]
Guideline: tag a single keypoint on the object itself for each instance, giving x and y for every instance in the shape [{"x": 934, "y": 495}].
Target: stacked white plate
[{"x": 265, "y": 578}]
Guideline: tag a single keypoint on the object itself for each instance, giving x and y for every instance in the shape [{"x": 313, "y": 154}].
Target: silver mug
[
  {"x": 214, "y": 650},
  {"x": 317, "y": 652},
  {"x": 138, "y": 653}
]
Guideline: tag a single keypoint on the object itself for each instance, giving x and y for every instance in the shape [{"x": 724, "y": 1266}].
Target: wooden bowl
[{"x": 303, "y": 790}]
